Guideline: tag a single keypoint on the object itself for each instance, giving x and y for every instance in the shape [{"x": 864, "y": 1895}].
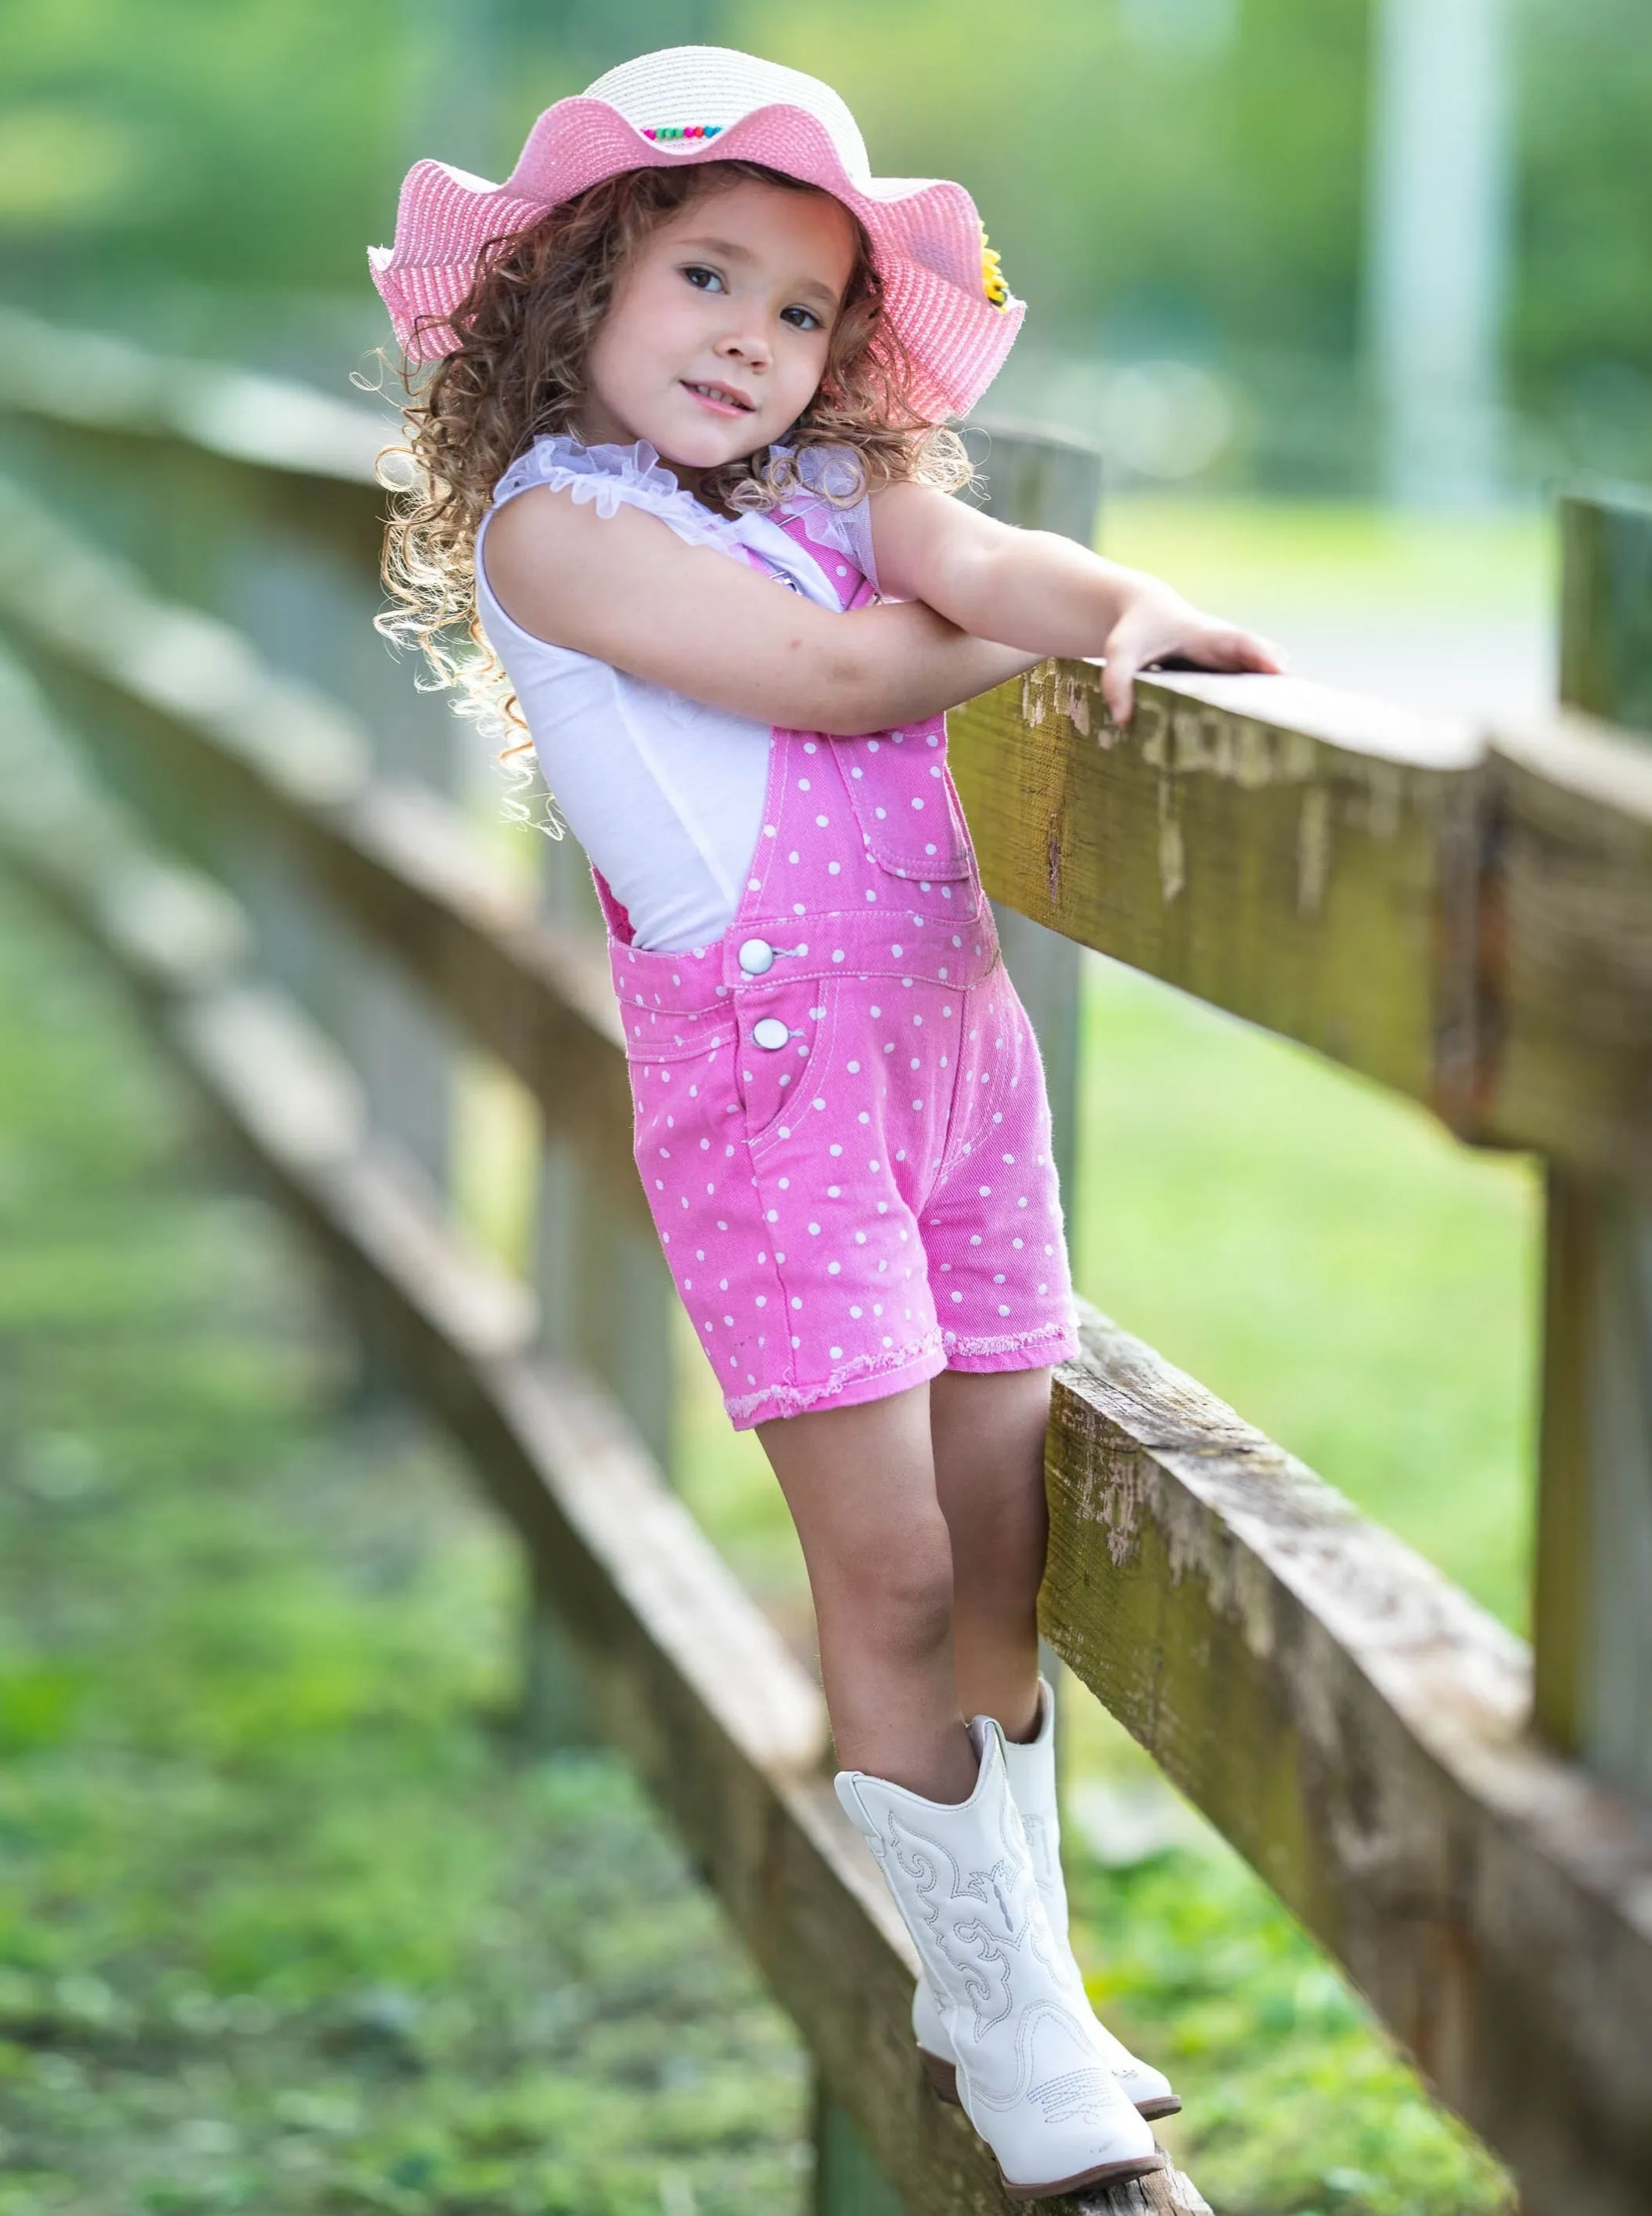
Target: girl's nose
[{"x": 748, "y": 343}]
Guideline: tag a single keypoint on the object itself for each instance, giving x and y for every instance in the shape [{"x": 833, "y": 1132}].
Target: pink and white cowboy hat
[{"x": 943, "y": 291}]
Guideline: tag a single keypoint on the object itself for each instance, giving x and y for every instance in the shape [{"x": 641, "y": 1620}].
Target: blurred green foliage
[
  {"x": 1157, "y": 182},
  {"x": 1181, "y": 177},
  {"x": 286, "y": 1924},
  {"x": 1580, "y": 325}
]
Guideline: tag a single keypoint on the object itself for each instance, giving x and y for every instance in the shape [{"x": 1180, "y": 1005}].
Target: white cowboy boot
[
  {"x": 1031, "y": 1771},
  {"x": 1032, "y": 2074}
]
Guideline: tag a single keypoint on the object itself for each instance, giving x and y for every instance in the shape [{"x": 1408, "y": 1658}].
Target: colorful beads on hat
[
  {"x": 992, "y": 282},
  {"x": 683, "y": 131}
]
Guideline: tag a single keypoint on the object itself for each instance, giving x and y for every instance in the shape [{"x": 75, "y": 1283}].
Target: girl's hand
[
  {"x": 1046, "y": 595},
  {"x": 1158, "y": 623}
]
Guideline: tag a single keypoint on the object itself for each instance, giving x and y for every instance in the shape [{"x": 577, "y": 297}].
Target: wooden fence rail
[{"x": 1468, "y": 922}]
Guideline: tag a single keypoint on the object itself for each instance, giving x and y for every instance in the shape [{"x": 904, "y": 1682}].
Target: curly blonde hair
[{"x": 524, "y": 331}]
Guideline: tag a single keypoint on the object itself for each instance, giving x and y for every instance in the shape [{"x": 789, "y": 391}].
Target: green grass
[
  {"x": 1322, "y": 557},
  {"x": 287, "y": 1923}
]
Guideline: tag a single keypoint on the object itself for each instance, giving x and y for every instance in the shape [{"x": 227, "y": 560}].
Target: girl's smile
[
  {"x": 722, "y": 399},
  {"x": 717, "y": 336}
]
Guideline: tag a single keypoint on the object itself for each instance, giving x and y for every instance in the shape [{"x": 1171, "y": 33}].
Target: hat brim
[{"x": 926, "y": 234}]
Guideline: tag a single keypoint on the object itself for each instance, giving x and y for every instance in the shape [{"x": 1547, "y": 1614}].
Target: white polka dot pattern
[{"x": 847, "y": 1153}]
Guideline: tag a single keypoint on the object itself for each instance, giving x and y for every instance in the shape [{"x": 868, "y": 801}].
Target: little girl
[{"x": 690, "y": 351}]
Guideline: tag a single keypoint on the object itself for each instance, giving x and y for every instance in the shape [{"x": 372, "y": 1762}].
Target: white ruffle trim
[{"x": 612, "y": 475}]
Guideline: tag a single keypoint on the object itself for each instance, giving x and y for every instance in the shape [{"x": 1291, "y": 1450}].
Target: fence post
[
  {"x": 605, "y": 1304},
  {"x": 1606, "y": 624},
  {"x": 1592, "y": 1627},
  {"x": 606, "y": 1295},
  {"x": 1044, "y": 481}
]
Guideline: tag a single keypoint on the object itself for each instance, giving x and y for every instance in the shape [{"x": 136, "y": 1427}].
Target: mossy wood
[
  {"x": 1356, "y": 1728},
  {"x": 1469, "y": 924},
  {"x": 1300, "y": 857}
]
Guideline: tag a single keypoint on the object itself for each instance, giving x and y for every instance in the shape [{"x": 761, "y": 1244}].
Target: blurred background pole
[{"x": 1437, "y": 245}]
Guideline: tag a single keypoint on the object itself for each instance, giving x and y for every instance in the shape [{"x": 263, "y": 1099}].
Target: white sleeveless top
[{"x": 665, "y": 795}]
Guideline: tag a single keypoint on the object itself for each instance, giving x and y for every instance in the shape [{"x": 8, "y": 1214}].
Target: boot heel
[{"x": 943, "y": 2076}]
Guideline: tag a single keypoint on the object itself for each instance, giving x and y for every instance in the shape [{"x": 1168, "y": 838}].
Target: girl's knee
[{"x": 901, "y": 1598}]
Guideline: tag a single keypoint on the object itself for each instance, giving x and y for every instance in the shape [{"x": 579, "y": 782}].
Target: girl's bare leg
[
  {"x": 988, "y": 1442},
  {"x": 860, "y": 1483}
]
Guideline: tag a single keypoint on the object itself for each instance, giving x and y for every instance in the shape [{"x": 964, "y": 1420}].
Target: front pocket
[
  {"x": 653, "y": 1035},
  {"x": 906, "y": 803},
  {"x": 774, "y": 1081}
]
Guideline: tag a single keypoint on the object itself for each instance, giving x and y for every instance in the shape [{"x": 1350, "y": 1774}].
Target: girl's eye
[
  {"x": 811, "y": 321},
  {"x": 695, "y": 271}
]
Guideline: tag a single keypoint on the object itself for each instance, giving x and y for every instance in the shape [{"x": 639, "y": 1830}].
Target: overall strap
[{"x": 840, "y": 570}]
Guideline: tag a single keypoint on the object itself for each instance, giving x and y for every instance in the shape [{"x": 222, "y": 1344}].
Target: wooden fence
[{"x": 212, "y": 768}]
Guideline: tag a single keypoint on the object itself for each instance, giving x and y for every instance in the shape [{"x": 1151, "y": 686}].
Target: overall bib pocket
[{"x": 906, "y": 806}]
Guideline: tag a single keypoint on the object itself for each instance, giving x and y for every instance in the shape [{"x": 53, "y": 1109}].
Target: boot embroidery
[
  {"x": 1086, "y": 2094},
  {"x": 971, "y": 1946}
]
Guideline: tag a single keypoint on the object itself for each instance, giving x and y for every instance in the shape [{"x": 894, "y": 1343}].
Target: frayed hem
[
  {"x": 1051, "y": 1343},
  {"x": 845, "y": 1386}
]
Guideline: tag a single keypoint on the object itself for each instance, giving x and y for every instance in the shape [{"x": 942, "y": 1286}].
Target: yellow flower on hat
[{"x": 992, "y": 282}]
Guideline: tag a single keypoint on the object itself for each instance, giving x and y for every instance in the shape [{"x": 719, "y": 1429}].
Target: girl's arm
[
  {"x": 1046, "y": 595},
  {"x": 626, "y": 589}
]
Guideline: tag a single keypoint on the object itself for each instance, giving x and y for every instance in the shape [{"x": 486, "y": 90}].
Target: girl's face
[{"x": 716, "y": 340}]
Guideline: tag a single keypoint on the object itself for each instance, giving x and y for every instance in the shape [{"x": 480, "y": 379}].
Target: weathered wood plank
[
  {"x": 1301, "y": 857},
  {"x": 1568, "y": 961},
  {"x": 1357, "y": 1727},
  {"x": 687, "y": 1677},
  {"x": 97, "y": 381},
  {"x": 262, "y": 753}
]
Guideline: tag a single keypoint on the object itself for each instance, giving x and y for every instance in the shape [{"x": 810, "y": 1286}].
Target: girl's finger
[
  {"x": 1244, "y": 649},
  {"x": 1118, "y": 678}
]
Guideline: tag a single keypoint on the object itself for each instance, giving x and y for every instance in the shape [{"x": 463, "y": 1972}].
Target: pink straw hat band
[{"x": 925, "y": 235}]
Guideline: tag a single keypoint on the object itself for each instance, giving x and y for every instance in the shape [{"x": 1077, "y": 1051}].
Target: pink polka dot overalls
[{"x": 841, "y": 1123}]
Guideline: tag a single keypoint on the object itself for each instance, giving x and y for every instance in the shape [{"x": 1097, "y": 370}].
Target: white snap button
[
  {"x": 770, "y": 1032},
  {"x": 756, "y": 955}
]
